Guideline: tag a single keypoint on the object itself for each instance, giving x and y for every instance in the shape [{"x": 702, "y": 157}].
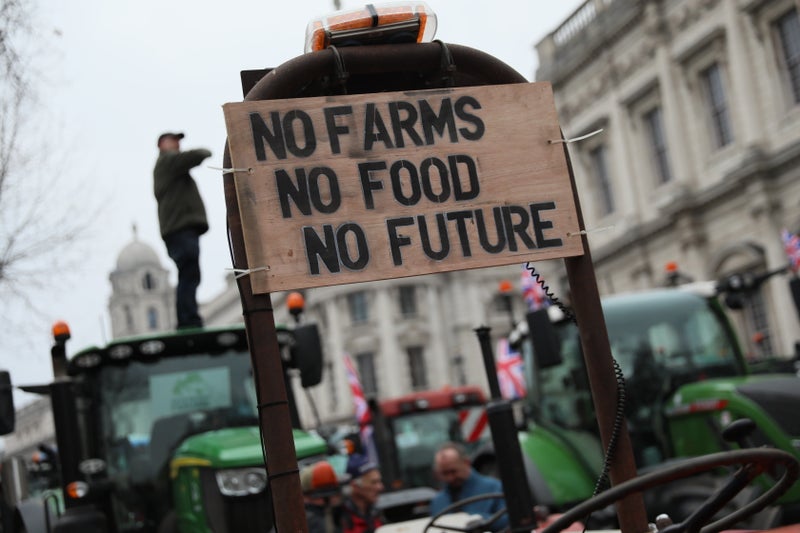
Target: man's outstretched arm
[{"x": 189, "y": 159}]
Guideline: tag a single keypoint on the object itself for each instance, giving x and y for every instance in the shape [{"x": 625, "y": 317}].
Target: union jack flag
[
  {"x": 510, "y": 371},
  {"x": 791, "y": 244},
  {"x": 532, "y": 291},
  {"x": 363, "y": 415}
]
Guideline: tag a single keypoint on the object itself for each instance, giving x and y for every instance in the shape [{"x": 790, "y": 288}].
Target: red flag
[{"x": 510, "y": 371}]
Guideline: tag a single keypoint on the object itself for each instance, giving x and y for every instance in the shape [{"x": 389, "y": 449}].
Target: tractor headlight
[{"x": 241, "y": 481}]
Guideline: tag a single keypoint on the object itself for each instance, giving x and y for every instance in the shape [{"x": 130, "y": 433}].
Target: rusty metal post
[
  {"x": 600, "y": 368},
  {"x": 273, "y": 404}
]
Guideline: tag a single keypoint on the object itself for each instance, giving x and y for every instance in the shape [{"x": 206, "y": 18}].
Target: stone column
[
  {"x": 390, "y": 364},
  {"x": 335, "y": 351},
  {"x": 438, "y": 356},
  {"x": 765, "y": 211},
  {"x": 743, "y": 94}
]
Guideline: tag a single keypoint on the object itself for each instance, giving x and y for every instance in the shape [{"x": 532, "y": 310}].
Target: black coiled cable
[
  {"x": 603, "y": 482},
  {"x": 539, "y": 280}
]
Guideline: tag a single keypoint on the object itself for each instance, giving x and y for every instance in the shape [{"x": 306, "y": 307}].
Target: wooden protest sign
[{"x": 345, "y": 189}]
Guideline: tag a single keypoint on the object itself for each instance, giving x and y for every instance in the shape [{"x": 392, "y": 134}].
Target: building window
[
  {"x": 126, "y": 311},
  {"x": 658, "y": 143},
  {"x": 416, "y": 367},
  {"x": 152, "y": 318},
  {"x": 756, "y": 312},
  {"x": 148, "y": 282},
  {"x": 357, "y": 302},
  {"x": 408, "y": 300},
  {"x": 365, "y": 363},
  {"x": 599, "y": 161},
  {"x": 717, "y": 105},
  {"x": 788, "y": 30}
]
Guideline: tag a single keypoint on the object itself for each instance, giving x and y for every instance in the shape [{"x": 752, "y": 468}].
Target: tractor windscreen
[
  {"x": 670, "y": 339},
  {"x": 148, "y": 408},
  {"x": 419, "y": 435}
]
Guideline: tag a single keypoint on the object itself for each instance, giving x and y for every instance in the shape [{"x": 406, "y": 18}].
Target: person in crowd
[
  {"x": 453, "y": 468},
  {"x": 359, "y": 514},
  {"x": 322, "y": 497}
]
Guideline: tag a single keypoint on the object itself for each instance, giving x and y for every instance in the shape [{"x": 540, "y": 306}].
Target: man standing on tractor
[
  {"x": 453, "y": 468},
  {"x": 182, "y": 218},
  {"x": 359, "y": 514}
]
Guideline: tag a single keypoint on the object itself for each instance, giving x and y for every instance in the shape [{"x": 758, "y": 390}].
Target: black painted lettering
[
  {"x": 461, "y": 227},
  {"x": 375, "y": 129},
  {"x": 334, "y": 195},
  {"x": 540, "y": 225},
  {"x": 461, "y": 112},
  {"x": 397, "y": 182},
  {"x": 365, "y": 171},
  {"x": 518, "y": 229},
  {"x": 347, "y": 234},
  {"x": 395, "y": 240},
  {"x": 274, "y": 137},
  {"x": 334, "y": 129},
  {"x": 317, "y": 249},
  {"x": 425, "y": 178},
  {"x": 307, "y": 127},
  {"x": 400, "y": 125},
  {"x": 424, "y": 236},
  {"x": 483, "y": 231},
  {"x": 459, "y": 194},
  {"x": 431, "y": 122},
  {"x": 296, "y": 190}
]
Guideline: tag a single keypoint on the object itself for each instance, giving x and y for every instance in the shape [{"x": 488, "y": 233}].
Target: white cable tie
[
  {"x": 242, "y": 272},
  {"x": 582, "y": 137},
  {"x": 586, "y": 232},
  {"x": 226, "y": 170}
]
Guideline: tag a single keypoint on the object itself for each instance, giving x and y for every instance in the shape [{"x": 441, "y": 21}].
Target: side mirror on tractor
[
  {"x": 307, "y": 354},
  {"x": 306, "y": 351},
  {"x": 7, "y": 417},
  {"x": 543, "y": 335}
]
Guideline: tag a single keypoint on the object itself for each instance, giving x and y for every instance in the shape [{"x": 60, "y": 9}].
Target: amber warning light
[
  {"x": 387, "y": 23},
  {"x": 61, "y": 331},
  {"x": 295, "y": 303}
]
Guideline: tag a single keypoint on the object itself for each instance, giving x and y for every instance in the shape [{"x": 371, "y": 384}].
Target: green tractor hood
[
  {"x": 699, "y": 411},
  {"x": 238, "y": 447},
  {"x": 769, "y": 400}
]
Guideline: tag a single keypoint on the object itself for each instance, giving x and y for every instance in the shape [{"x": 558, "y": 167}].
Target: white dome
[{"x": 135, "y": 255}]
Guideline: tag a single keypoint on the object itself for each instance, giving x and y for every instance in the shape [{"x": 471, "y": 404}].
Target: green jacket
[{"x": 179, "y": 203}]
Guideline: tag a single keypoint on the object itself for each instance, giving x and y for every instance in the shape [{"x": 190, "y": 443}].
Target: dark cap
[
  {"x": 163, "y": 136},
  {"x": 358, "y": 465}
]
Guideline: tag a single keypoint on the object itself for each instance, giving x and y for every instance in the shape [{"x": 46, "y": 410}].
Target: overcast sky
[{"x": 118, "y": 73}]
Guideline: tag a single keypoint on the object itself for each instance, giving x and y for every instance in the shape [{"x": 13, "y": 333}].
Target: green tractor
[
  {"x": 685, "y": 380},
  {"x": 160, "y": 433}
]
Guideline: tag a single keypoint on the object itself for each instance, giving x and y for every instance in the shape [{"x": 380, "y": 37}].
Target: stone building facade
[
  {"x": 34, "y": 425},
  {"x": 698, "y": 161}
]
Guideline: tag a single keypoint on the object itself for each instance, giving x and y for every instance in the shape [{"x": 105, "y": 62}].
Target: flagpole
[{"x": 517, "y": 492}]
